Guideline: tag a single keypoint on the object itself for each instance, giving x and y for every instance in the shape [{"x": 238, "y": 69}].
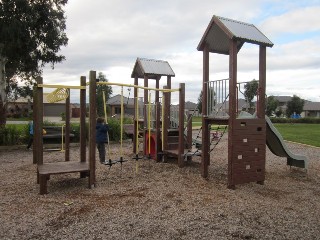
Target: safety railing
[{"x": 218, "y": 98}]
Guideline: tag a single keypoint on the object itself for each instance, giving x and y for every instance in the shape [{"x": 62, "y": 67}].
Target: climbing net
[{"x": 58, "y": 95}]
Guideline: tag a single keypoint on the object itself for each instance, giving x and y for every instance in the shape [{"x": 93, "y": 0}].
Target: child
[
  {"x": 101, "y": 138},
  {"x": 30, "y": 135}
]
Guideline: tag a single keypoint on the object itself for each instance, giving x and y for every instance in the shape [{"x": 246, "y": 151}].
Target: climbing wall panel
[{"x": 248, "y": 155}]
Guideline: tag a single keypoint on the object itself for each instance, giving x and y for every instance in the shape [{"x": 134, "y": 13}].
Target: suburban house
[
  {"x": 283, "y": 100},
  {"x": 191, "y": 108},
  {"x": 310, "y": 109},
  {"x": 224, "y": 107},
  {"x": 19, "y": 108},
  {"x": 22, "y": 107},
  {"x": 114, "y": 103}
]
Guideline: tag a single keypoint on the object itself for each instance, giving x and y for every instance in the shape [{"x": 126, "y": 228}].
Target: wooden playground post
[
  {"x": 136, "y": 116},
  {"x": 158, "y": 120},
  {"x": 181, "y": 125},
  {"x": 67, "y": 128},
  {"x": 158, "y": 132},
  {"x": 168, "y": 96},
  {"x": 38, "y": 124},
  {"x": 205, "y": 131},
  {"x": 83, "y": 123},
  {"x": 83, "y": 120},
  {"x": 165, "y": 122},
  {"x": 189, "y": 134},
  {"x": 92, "y": 127},
  {"x": 262, "y": 82},
  {"x": 232, "y": 111},
  {"x": 145, "y": 115},
  {"x": 34, "y": 118},
  {"x": 261, "y": 103}
]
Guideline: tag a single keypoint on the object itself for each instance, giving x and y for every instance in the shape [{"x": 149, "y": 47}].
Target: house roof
[
  {"x": 283, "y": 99},
  {"x": 151, "y": 68},
  {"x": 242, "y": 103},
  {"x": 116, "y": 100},
  {"x": 311, "y": 106},
  {"x": 220, "y": 30},
  {"x": 190, "y": 105},
  {"x": 27, "y": 99}
]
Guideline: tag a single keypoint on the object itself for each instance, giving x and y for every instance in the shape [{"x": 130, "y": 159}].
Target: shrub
[
  {"x": 299, "y": 120},
  {"x": 114, "y": 129},
  {"x": 63, "y": 116},
  {"x": 12, "y": 135}
]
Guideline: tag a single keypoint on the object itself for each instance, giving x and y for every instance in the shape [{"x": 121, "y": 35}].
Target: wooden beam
[
  {"x": 262, "y": 82},
  {"x": 38, "y": 124},
  {"x": 232, "y": 108},
  {"x": 181, "y": 125},
  {"x": 92, "y": 128},
  {"x": 189, "y": 134},
  {"x": 136, "y": 116},
  {"x": 145, "y": 115},
  {"x": 34, "y": 118},
  {"x": 165, "y": 122},
  {"x": 205, "y": 159},
  {"x": 67, "y": 128},
  {"x": 82, "y": 120}
]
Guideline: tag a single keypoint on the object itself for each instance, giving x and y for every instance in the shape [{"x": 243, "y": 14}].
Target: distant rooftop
[
  {"x": 220, "y": 30},
  {"x": 28, "y": 99},
  {"x": 151, "y": 68},
  {"x": 311, "y": 106},
  {"x": 283, "y": 99},
  {"x": 116, "y": 100}
]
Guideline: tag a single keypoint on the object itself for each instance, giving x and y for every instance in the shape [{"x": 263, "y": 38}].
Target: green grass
[
  {"x": 19, "y": 127},
  {"x": 19, "y": 119},
  {"x": 300, "y": 132},
  {"x": 295, "y": 132}
]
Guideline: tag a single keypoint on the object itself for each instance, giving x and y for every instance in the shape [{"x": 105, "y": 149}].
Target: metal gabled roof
[
  {"x": 220, "y": 30},
  {"x": 151, "y": 68}
]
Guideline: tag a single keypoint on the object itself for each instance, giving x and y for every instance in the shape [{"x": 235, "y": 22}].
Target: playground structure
[
  {"x": 247, "y": 136},
  {"x": 44, "y": 170},
  {"x": 161, "y": 141},
  {"x": 87, "y": 168}
]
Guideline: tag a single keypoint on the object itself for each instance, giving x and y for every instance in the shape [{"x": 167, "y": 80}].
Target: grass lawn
[
  {"x": 296, "y": 132},
  {"x": 300, "y": 132}
]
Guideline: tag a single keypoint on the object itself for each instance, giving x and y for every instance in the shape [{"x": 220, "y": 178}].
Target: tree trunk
[{"x": 3, "y": 94}]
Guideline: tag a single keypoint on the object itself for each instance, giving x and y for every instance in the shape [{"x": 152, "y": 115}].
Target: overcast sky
[{"x": 108, "y": 36}]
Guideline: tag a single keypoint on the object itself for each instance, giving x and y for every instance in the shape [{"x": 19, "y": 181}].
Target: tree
[
  {"x": 279, "y": 112},
  {"x": 32, "y": 33},
  {"x": 199, "y": 103},
  {"x": 294, "y": 106},
  {"x": 100, "y": 89},
  {"x": 272, "y": 105},
  {"x": 250, "y": 91}
]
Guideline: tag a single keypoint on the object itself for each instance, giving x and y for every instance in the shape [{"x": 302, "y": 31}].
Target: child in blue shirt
[
  {"x": 101, "y": 137},
  {"x": 30, "y": 135}
]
